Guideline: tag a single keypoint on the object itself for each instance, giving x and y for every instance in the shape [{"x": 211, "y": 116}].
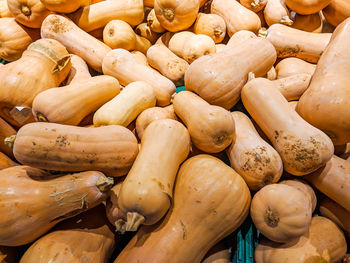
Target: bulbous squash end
[
  {"x": 169, "y": 14},
  {"x": 9, "y": 141},
  {"x": 134, "y": 220},
  {"x": 104, "y": 183}
]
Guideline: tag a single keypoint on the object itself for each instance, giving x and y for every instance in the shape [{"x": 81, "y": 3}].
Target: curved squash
[
  {"x": 275, "y": 12},
  {"x": 254, "y": 5},
  {"x": 211, "y": 25},
  {"x": 45, "y": 64},
  {"x": 292, "y": 66},
  {"x": 4, "y": 9},
  {"x": 293, "y": 87},
  {"x": 328, "y": 94},
  {"x": 65, "y": 148},
  {"x": 75, "y": 40},
  {"x": 65, "y": 6},
  {"x": 6, "y": 130},
  {"x": 228, "y": 74},
  {"x": 149, "y": 3},
  {"x": 70, "y": 104},
  {"x": 6, "y": 162},
  {"x": 310, "y": 23},
  {"x": 25, "y": 216},
  {"x": 202, "y": 206},
  {"x": 87, "y": 237},
  {"x": 240, "y": 37},
  {"x": 30, "y": 13},
  {"x": 337, "y": 11},
  {"x": 220, "y": 253},
  {"x": 220, "y": 47},
  {"x": 302, "y": 147},
  {"x": 212, "y": 128},
  {"x": 153, "y": 22},
  {"x": 236, "y": 16},
  {"x": 79, "y": 70},
  {"x": 121, "y": 64},
  {"x": 112, "y": 210},
  {"x": 168, "y": 142},
  {"x": 140, "y": 57},
  {"x": 252, "y": 157},
  {"x": 145, "y": 31},
  {"x": 307, "y": 7}
]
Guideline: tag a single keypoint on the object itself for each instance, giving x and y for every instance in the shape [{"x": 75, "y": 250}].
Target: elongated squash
[
  {"x": 4, "y": 9},
  {"x": 307, "y": 7},
  {"x": 6, "y": 130},
  {"x": 65, "y": 6},
  {"x": 302, "y": 147},
  {"x": 328, "y": 94},
  {"x": 228, "y": 74},
  {"x": 292, "y": 66},
  {"x": 145, "y": 31},
  {"x": 337, "y": 11},
  {"x": 153, "y": 22},
  {"x": 253, "y": 158},
  {"x": 75, "y": 40},
  {"x": 121, "y": 64},
  {"x": 202, "y": 206},
  {"x": 112, "y": 210},
  {"x": 275, "y": 12},
  {"x": 65, "y": 148},
  {"x": 211, "y": 25},
  {"x": 70, "y": 104},
  {"x": 26, "y": 216},
  {"x": 254, "y": 5},
  {"x": 140, "y": 57},
  {"x": 6, "y": 162},
  {"x": 220, "y": 253},
  {"x": 293, "y": 87},
  {"x": 239, "y": 37},
  {"x": 165, "y": 145},
  {"x": 219, "y": 47},
  {"x": 79, "y": 70},
  {"x": 310, "y": 23}
]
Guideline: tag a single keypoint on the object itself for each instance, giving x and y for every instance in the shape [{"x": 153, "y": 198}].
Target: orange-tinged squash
[
  {"x": 149, "y": 3},
  {"x": 310, "y": 23},
  {"x": 4, "y": 9},
  {"x": 110, "y": 149},
  {"x": 220, "y": 253},
  {"x": 168, "y": 142},
  {"x": 6, "y": 162},
  {"x": 140, "y": 57},
  {"x": 302, "y": 147},
  {"x": 153, "y": 22},
  {"x": 70, "y": 104},
  {"x": 202, "y": 206},
  {"x": 326, "y": 102},
  {"x": 254, "y": 5},
  {"x": 240, "y": 37},
  {"x": 65, "y": 6},
  {"x": 6, "y": 130},
  {"x": 307, "y": 7},
  {"x": 211, "y": 25},
  {"x": 145, "y": 31},
  {"x": 79, "y": 70},
  {"x": 275, "y": 12},
  {"x": 293, "y": 87},
  {"x": 337, "y": 11},
  {"x": 75, "y": 40},
  {"x": 252, "y": 157},
  {"x": 87, "y": 237},
  {"x": 211, "y": 127},
  {"x": 291, "y": 66},
  {"x": 121, "y": 64},
  {"x": 26, "y": 216},
  {"x": 112, "y": 210}
]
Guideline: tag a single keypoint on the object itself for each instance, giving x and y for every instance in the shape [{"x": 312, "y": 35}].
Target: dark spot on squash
[
  {"x": 271, "y": 218},
  {"x": 57, "y": 26}
]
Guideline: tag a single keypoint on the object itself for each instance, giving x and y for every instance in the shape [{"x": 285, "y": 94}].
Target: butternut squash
[
  {"x": 65, "y": 6},
  {"x": 307, "y": 7},
  {"x": 124, "y": 108},
  {"x": 168, "y": 143},
  {"x": 291, "y": 42},
  {"x": 6, "y": 130},
  {"x": 211, "y": 25},
  {"x": 65, "y": 148},
  {"x": 271, "y": 74},
  {"x": 337, "y": 11},
  {"x": 4, "y": 9},
  {"x": 167, "y": 63},
  {"x": 70, "y": 104},
  {"x": 121, "y": 64},
  {"x": 219, "y": 47},
  {"x": 15, "y": 38},
  {"x": 119, "y": 34},
  {"x": 87, "y": 237},
  {"x": 149, "y": 3},
  {"x": 302, "y": 147},
  {"x": 293, "y": 87},
  {"x": 153, "y": 114},
  {"x": 26, "y": 216},
  {"x": 275, "y": 12},
  {"x": 79, "y": 70},
  {"x": 292, "y": 66},
  {"x": 145, "y": 31},
  {"x": 202, "y": 206},
  {"x": 254, "y": 5},
  {"x": 153, "y": 22},
  {"x": 252, "y": 157},
  {"x": 98, "y": 15},
  {"x": 332, "y": 180},
  {"x": 45, "y": 64},
  {"x": 220, "y": 253},
  {"x": 228, "y": 74},
  {"x": 212, "y": 128},
  {"x": 75, "y": 40},
  {"x": 178, "y": 15},
  {"x": 30, "y": 13},
  {"x": 16, "y": 116},
  {"x": 165, "y": 38},
  {"x": 112, "y": 211},
  {"x": 328, "y": 93},
  {"x": 310, "y": 23},
  {"x": 239, "y": 37},
  {"x": 6, "y": 162},
  {"x": 146, "y": 11},
  {"x": 236, "y": 16},
  {"x": 140, "y": 57}
]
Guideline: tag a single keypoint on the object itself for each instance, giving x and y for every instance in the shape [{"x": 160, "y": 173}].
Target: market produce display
[{"x": 162, "y": 131}]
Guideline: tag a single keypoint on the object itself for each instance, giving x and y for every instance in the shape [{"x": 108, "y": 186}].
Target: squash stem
[
  {"x": 287, "y": 21},
  {"x": 26, "y": 10},
  {"x": 120, "y": 226},
  {"x": 169, "y": 14},
  {"x": 104, "y": 183},
  {"x": 262, "y": 32},
  {"x": 9, "y": 141},
  {"x": 134, "y": 220},
  {"x": 217, "y": 32},
  {"x": 255, "y": 3}
]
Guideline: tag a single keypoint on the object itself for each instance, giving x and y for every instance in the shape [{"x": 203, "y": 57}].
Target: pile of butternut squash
[{"x": 97, "y": 141}]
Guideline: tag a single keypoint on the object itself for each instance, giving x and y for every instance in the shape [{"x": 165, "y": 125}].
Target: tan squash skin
[
  {"x": 310, "y": 23},
  {"x": 145, "y": 31},
  {"x": 30, "y": 13},
  {"x": 291, "y": 66},
  {"x": 281, "y": 212},
  {"x": 65, "y": 148},
  {"x": 211, "y": 25},
  {"x": 45, "y": 64},
  {"x": 333, "y": 181},
  {"x": 65, "y": 6},
  {"x": 202, "y": 205},
  {"x": 291, "y": 42},
  {"x": 293, "y": 87},
  {"x": 302, "y": 147},
  {"x": 87, "y": 237},
  {"x": 240, "y": 37},
  {"x": 252, "y": 157},
  {"x": 15, "y": 38},
  {"x": 228, "y": 74},
  {"x": 140, "y": 57},
  {"x": 75, "y": 40},
  {"x": 275, "y": 12},
  {"x": 166, "y": 62},
  {"x": 254, "y": 5},
  {"x": 323, "y": 243},
  {"x": 168, "y": 142},
  {"x": 178, "y": 15},
  {"x": 70, "y": 104},
  {"x": 6, "y": 130},
  {"x": 4, "y": 9},
  {"x": 337, "y": 11},
  {"x": 98, "y": 15},
  {"x": 328, "y": 93},
  {"x": 79, "y": 70},
  {"x": 220, "y": 47},
  {"x": 26, "y": 216},
  {"x": 337, "y": 214},
  {"x": 153, "y": 114},
  {"x": 271, "y": 74},
  {"x": 112, "y": 210},
  {"x": 307, "y": 7},
  {"x": 121, "y": 64},
  {"x": 220, "y": 253},
  {"x": 6, "y": 162},
  {"x": 153, "y": 22},
  {"x": 212, "y": 128}
]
